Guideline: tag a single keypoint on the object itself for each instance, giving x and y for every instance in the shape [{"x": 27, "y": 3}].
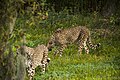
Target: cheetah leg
[
  {"x": 56, "y": 52},
  {"x": 80, "y": 47},
  {"x": 31, "y": 73},
  {"x": 43, "y": 68},
  {"x": 61, "y": 49},
  {"x": 85, "y": 46},
  {"x": 81, "y": 42},
  {"x": 44, "y": 61}
]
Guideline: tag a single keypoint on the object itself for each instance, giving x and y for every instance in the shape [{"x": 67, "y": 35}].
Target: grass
[
  {"x": 100, "y": 64},
  {"x": 84, "y": 67}
]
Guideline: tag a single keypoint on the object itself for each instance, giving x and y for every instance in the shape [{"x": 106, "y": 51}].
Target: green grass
[
  {"x": 89, "y": 67},
  {"x": 100, "y": 64}
]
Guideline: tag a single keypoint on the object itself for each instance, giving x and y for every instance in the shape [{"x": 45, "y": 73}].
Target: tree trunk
[{"x": 8, "y": 68}]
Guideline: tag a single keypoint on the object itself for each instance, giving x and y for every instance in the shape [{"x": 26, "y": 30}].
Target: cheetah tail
[{"x": 92, "y": 45}]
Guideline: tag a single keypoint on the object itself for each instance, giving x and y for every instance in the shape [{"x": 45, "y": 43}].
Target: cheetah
[
  {"x": 37, "y": 56},
  {"x": 63, "y": 37}
]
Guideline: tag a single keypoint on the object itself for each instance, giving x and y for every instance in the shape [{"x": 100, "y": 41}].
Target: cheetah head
[{"x": 50, "y": 45}]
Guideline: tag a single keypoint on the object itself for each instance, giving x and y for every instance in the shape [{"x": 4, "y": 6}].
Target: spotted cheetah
[
  {"x": 79, "y": 34},
  {"x": 37, "y": 56}
]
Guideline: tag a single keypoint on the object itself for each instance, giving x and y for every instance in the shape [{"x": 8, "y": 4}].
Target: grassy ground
[
  {"x": 100, "y": 64},
  {"x": 82, "y": 67}
]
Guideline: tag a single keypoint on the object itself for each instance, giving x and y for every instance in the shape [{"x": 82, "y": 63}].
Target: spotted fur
[
  {"x": 37, "y": 56},
  {"x": 79, "y": 34}
]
